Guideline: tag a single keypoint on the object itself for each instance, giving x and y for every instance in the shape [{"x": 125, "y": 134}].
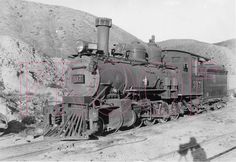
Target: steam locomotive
[{"x": 131, "y": 85}]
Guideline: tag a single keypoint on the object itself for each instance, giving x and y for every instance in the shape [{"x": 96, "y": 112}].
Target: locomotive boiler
[{"x": 133, "y": 84}]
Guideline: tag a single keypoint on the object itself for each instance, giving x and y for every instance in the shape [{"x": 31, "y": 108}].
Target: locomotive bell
[{"x": 103, "y": 26}]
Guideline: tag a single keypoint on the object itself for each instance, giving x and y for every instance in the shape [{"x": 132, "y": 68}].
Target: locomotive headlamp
[{"x": 81, "y": 45}]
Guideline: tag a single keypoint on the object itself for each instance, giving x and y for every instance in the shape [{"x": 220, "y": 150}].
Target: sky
[{"x": 204, "y": 20}]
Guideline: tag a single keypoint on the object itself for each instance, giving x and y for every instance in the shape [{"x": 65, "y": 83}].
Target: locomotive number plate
[{"x": 78, "y": 79}]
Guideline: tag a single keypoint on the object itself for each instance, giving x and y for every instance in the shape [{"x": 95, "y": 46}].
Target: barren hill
[
  {"x": 231, "y": 44},
  {"x": 51, "y": 29}
]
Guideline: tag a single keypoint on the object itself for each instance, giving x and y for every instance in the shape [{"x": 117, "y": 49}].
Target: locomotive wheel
[
  {"x": 189, "y": 109},
  {"x": 3, "y": 121},
  {"x": 221, "y": 106},
  {"x": 174, "y": 117},
  {"x": 138, "y": 123},
  {"x": 217, "y": 106},
  {"x": 115, "y": 121},
  {"x": 162, "y": 120},
  {"x": 133, "y": 119},
  {"x": 120, "y": 123},
  {"x": 174, "y": 111},
  {"x": 149, "y": 122},
  {"x": 181, "y": 109},
  {"x": 164, "y": 110}
]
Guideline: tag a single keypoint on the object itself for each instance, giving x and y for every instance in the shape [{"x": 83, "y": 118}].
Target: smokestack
[{"x": 103, "y": 26}]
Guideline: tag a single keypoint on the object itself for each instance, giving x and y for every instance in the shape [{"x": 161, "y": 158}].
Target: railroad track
[
  {"x": 222, "y": 153},
  {"x": 26, "y": 149}
]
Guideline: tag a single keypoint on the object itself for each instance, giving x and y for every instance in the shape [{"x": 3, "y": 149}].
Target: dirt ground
[{"x": 214, "y": 132}]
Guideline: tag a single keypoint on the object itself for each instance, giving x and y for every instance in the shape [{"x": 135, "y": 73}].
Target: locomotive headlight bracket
[{"x": 83, "y": 46}]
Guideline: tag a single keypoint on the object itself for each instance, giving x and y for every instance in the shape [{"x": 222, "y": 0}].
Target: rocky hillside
[
  {"x": 51, "y": 29},
  {"x": 27, "y": 78}
]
